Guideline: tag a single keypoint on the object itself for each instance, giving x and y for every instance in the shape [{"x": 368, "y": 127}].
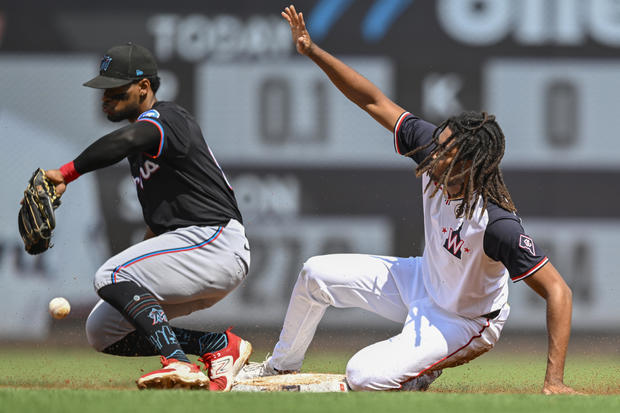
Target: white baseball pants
[{"x": 431, "y": 338}]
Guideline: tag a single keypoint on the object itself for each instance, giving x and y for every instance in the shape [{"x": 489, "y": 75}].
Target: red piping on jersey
[
  {"x": 532, "y": 271},
  {"x": 161, "y": 137},
  {"x": 449, "y": 355},
  {"x": 396, "y": 128},
  {"x": 68, "y": 172}
]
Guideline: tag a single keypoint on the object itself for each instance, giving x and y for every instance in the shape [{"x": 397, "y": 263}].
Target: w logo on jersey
[
  {"x": 454, "y": 243},
  {"x": 158, "y": 316}
]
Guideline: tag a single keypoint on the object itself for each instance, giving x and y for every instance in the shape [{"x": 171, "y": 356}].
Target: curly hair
[{"x": 480, "y": 144}]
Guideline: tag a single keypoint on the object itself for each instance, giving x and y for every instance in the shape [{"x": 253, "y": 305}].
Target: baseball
[{"x": 59, "y": 307}]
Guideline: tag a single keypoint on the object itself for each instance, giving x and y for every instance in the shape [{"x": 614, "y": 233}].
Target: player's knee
[
  {"x": 357, "y": 378},
  {"x": 93, "y": 333},
  {"x": 362, "y": 373},
  {"x": 312, "y": 271},
  {"x": 102, "y": 277},
  {"x": 312, "y": 276},
  {"x": 112, "y": 272}
]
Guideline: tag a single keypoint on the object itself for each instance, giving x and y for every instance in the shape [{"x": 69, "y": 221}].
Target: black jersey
[{"x": 180, "y": 184}]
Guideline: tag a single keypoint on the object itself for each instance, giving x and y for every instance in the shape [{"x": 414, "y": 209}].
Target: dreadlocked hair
[{"x": 479, "y": 143}]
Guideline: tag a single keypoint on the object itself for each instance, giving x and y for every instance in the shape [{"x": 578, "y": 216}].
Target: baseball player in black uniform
[
  {"x": 453, "y": 300},
  {"x": 195, "y": 251}
]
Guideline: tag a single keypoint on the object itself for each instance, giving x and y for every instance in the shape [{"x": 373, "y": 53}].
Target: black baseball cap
[{"x": 122, "y": 65}]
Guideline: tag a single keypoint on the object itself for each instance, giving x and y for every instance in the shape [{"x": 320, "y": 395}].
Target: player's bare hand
[
  {"x": 56, "y": 177},
  {"x": 301, "y": 37},
  {"x": 560, "y": 388}
]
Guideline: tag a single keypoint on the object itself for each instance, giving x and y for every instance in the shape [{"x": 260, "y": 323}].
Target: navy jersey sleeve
[
  {"x": 171, "y": 139},
  {"x": 411, "y": 132},
  {"x": 506, "y": 241}
]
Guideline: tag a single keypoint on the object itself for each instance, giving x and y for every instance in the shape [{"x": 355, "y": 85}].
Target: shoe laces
[
  {"x": 206, "y": 359},
  {"x": 257, "y": 366},
  {"x": 253, "y": 367},
  {"x": 165, "y": 361},
  {"x": 262, "y": 364}
]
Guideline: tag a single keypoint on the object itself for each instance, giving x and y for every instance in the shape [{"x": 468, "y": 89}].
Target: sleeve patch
[
  {"x": 152, "y": 113},
  {"x": 527, "y": 244}
]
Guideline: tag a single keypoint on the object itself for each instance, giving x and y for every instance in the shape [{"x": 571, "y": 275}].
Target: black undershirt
[{"x": 116, "y": 146}]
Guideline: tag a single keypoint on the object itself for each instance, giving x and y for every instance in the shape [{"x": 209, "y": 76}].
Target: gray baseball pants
[{"x": 186, "y": 270}]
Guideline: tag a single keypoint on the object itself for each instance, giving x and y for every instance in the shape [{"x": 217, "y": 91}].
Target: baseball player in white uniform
[{"x": 452, "y": 301}]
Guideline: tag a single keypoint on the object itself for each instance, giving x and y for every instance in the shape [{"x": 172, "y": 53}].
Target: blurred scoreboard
[
  {"x": 287, "y": 112},
  {"x": 314, "y": 174},
  {"x": 556, "y": 113}
]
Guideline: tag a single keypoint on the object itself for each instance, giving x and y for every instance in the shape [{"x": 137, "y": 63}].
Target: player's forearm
[
  {"x": 559, "y": 310},
  {"x": 104, "y": 152},
  {"x": 354, "y": 86}
]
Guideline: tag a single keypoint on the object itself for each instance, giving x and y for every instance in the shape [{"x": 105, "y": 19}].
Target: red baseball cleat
[
  {"x": 175, "y": 374},
  {"x": 223, "y": 365}
]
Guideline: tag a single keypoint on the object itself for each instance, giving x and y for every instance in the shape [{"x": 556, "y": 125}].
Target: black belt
[{"x": 491, "y": 315}]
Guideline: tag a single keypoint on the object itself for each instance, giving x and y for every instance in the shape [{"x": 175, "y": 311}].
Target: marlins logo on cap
[{"x": 105, "y": 63}]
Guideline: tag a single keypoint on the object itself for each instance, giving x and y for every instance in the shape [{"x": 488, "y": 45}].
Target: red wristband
[{"x": 68, "y": 172}]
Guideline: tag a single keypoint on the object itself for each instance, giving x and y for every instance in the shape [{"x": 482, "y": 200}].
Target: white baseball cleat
[
  {"x": 421, "y": 383},
  {"x": 254, "y": 370},
  {"x": 175, "y": 374}
]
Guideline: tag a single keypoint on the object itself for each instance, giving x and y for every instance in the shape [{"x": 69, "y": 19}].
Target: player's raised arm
[
  {"x": 548, "y": 283},
  {"x": 354, "y": 86}
]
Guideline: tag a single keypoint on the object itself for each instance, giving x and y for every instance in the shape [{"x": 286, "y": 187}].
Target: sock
[
  {"x": 192, "y": 342},
  {"x": 133, "y": 344},
  {"x": 144, "y": 312}
]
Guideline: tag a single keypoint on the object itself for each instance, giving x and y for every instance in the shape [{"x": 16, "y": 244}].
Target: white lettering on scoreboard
[
  {"x": 195, "y": 37},
  {"x": 531, "y": 22}
]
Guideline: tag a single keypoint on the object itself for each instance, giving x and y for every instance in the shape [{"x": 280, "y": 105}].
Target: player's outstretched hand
[
  {"x": 301, "y": 37},
  {"x": 561, "y": 388},
  {"x": 56, "y": 177}
]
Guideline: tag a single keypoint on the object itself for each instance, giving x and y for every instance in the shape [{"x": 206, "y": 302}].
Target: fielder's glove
[{"x": 36, "y": 216}]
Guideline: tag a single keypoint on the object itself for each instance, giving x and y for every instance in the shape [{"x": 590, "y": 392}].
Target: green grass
[
  {"x": 105, "y": 401},
  {"x": 81, "y": 380}
]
